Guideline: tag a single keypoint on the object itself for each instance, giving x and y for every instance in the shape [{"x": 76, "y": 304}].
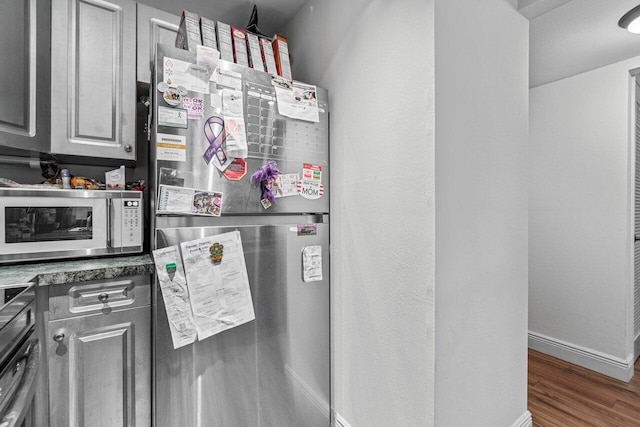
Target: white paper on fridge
[
  {"x": 296, "y": 100},
  {"x": 232, "y": 104},
  {"x": 173, "y": 199},
  {"x": 312, "y": 263},
  {"x": 234, "y": 125},
  {"x": 173, "y": 286},
  {"x": 286, "y": 185},
  {"x": 236, "y": 142},
  {"x": 182, "y": 200},
  {"x": 171, "y": 147},
  {"x": 194, "y": 78},
  {"x": 227, "y": 78},
  {"x": 218, "y": 283},
  {"x": 208, "y": 57}
]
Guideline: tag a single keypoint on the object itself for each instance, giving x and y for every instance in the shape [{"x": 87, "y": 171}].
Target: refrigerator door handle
[{"x": 109, "y": 203}]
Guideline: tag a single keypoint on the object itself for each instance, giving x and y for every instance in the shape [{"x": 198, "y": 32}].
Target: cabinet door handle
[
  {"x": 103, "y": 297},
  {"x": 59, "y": 337}
]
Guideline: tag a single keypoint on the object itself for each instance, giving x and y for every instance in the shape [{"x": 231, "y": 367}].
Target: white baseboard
[
  {"x": 525, "y": 420},
  {"x": 341, "y": 422},
  {"x": 621, "y": 369},
  {"x": 306, "y": 391}
]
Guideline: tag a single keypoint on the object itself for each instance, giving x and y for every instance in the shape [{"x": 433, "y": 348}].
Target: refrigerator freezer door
[
  {"x": 290, "y": 143},
  {"x": 273, "y": 371}
]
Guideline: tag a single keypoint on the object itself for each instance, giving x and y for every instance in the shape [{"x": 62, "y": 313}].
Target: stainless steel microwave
[{"x": 44, "y": 224}]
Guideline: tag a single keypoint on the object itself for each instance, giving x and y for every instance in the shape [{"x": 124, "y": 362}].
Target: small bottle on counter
[{"x": 66, "y": 178}]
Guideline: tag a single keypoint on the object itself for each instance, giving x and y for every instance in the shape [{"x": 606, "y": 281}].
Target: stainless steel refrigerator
[{"x": 274, "y": 370}]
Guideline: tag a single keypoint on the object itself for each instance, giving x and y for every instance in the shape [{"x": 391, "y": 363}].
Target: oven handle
[
  {"x": 109, "y": 203},
  {"x": 23, "y": 396}
]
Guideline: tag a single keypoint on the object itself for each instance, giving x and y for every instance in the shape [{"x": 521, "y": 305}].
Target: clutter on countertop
[
  {"x": 52, "y": 173},
  {"x": 66, "y": 178},
  {"x": 115, "y": 179},
  {"x": 62, "y": 178}
]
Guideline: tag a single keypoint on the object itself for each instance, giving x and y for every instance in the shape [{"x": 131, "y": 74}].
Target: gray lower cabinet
[
  {"x": 93, "y": 78},
  {"x": 25, "y": 49},
  {"x": 99, "y": 354}
]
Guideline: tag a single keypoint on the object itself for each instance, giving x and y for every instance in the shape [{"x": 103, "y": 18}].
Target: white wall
[
  {"x": 377, "y": 60},
  {"x": 381, "y": 99},
  {"x": 580, "y": 270},
  {"x": 481, "y": 213}
]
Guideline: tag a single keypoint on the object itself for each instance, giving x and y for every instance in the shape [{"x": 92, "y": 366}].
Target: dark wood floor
[{"x": 566, "y": 395}]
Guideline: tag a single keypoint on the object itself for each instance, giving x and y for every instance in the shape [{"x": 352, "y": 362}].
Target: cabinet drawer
[{"x": 98, "y": 296}]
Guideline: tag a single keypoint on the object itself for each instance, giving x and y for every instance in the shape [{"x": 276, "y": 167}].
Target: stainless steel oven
[
  {"x": 19, "y": 355},
  {"x": 42, "y": 224}
]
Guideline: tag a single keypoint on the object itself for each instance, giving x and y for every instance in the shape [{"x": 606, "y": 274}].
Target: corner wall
[
  {"x": 395, "y": 246},
  {"x": 481, "y": 213},
  {"x": 580, "y": 297},
  {"x": 376, "y": 59}
]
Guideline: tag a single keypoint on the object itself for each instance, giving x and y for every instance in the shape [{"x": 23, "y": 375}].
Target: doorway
[{"x": 636, "y": 213}]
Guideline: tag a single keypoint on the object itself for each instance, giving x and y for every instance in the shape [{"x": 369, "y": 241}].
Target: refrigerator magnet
[
  {"x": 307, "y": 229},
  {"x": 310, "y": 189},
  {"x": 172, "y": 95},
  {"x": 207, "y": 203},
  {"x": 216, "y": 252},
  {"x": 312, "y": 263},
  {"x": 265, "y": 203},
  {"x": 236, "y": 170},
  {"x": 171, "y": 147},
  {"x": 194, "y": 107},
  {"x": 172, "y": 117},
  {"x": 286, "y": 185},
  {"x": 311, "y": 172},
  {"x": 265, "y": 177},
  {"x": 171, "y": 269},
  {"x": 215, "y": 134}
]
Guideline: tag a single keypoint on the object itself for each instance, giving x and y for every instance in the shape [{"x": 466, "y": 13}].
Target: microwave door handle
[{"x": 109, "y": 202}]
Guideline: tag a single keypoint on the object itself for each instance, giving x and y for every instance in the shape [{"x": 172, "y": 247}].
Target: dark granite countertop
[{"x": 55, "y": 273}]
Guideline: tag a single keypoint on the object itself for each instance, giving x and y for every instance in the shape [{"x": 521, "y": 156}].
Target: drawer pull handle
[
  {"x": 103, "y": 297},
  {"x": 58, "y": 337}
]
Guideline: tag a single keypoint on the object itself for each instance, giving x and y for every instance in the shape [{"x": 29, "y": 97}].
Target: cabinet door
[
  {"x": 99, "y": 370},
  {"x": 93, "y": 78},
  {"x": 154, "y": 26},
  {"x": 25, "y": 49}
]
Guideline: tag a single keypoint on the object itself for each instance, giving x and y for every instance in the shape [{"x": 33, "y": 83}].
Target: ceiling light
[{"x": 631, "y": 20}]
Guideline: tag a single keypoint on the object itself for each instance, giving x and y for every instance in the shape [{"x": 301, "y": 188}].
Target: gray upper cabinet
[
  {"x": 154, "y": 26},
  {"x": 93, "y": 85},
  {"x": 25, "y": 49}
]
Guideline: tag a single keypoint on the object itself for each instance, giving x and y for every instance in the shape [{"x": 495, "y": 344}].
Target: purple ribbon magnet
[{"x": 215, "y": 134}]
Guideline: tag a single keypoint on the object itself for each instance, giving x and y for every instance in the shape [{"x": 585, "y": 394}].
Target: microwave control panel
[{"x": 128, "y": 215}]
